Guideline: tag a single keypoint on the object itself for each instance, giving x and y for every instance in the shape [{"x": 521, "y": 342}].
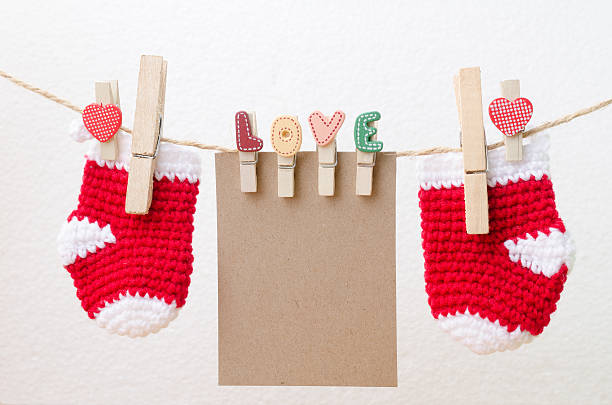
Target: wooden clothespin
[
  {"x": 324, "y": 130},
  {"x": 468, "y": 94},
  {"x": 248, "y": 145},
  {"x": 511, "y": 90},
  {"x": 328, "y": 160},
  {"x": 367, "y": 145},
  {"x": 148, "y": 120},
  {"x": 510, "y": 114},
  {"x": 286, "y": 135},
  {"x": 108, "y": 93}
]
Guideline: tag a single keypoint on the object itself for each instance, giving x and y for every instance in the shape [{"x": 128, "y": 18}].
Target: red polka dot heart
[
  {"x": 102, "y": 121},
  {"x": 510, "y": 117}
]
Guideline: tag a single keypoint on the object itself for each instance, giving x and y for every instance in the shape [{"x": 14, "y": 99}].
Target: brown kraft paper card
[{"x": 306, "y": 284}]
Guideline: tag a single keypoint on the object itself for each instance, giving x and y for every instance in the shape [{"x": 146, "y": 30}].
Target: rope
[
  {"x": 198, "y": 145},
  {"x": 423, "y": 152}
]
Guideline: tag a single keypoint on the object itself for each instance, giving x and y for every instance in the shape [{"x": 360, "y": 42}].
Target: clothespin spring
[
  {"x": 330, "y": 165},
  {"x": 139, "y": 155}
]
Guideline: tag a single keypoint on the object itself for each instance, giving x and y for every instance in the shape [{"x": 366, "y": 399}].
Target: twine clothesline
[{"x": 423, "y": 152}]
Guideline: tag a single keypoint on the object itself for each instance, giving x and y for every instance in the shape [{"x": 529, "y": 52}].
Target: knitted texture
[
  {"x": 132, "y": 271},
  {"x": 78, "y": 132},
  {"x": 493, "y": 292}
]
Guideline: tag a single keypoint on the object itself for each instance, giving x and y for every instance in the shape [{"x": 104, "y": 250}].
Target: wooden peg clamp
[
  {"x": 328, "y": 160},
  {"x": 286, "y": 175},
  {"x": 248, "y": 161},
  {"x": 286, "y": 136},
  {"x": 511, "y": 90},
  {"x": 365, "y": 168},
  {"x": 107, "y": 92},
  {"x": 473, "y": 142},
  {"x": 148, "y": 121}
]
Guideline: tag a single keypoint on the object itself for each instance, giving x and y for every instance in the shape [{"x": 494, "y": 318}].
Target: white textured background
[{"x": 289, "y": 57}]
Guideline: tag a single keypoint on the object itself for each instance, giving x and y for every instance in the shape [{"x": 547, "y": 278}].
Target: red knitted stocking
[
  {"x": 132, "y": 271},
  {"x": 493, "y": 292}
]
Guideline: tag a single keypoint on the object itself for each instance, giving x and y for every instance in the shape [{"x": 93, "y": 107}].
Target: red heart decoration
[
  {"x": 245, "y": 141},
  {"x": 510, "y": 117},
  {"x": 102, "y": 121}
]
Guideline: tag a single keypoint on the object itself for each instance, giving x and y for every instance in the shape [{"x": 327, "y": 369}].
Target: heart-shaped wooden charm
[
  {"x": 102, "y": 121},
  {"x": 323, "y": 129},
  {"x": 510, "y": 117},
  {"x": 245, "y": 140}
]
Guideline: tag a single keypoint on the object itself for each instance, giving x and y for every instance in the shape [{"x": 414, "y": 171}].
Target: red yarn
[
  {"x": 152, "y": 254},
  {"x": 474, "y": 271}
]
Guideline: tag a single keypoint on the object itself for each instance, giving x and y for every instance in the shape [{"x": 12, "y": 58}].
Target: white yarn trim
[
  {"x": 446, "y": 169},
  {"x": 544, "y": 254},
  {"x": 78, "y": 238},
  {"x": 172, "y": 160},
  {"x": 78, "y": 132},
  {"x": 136, "y": 316},
  {"x": 481, "y": 335}
]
